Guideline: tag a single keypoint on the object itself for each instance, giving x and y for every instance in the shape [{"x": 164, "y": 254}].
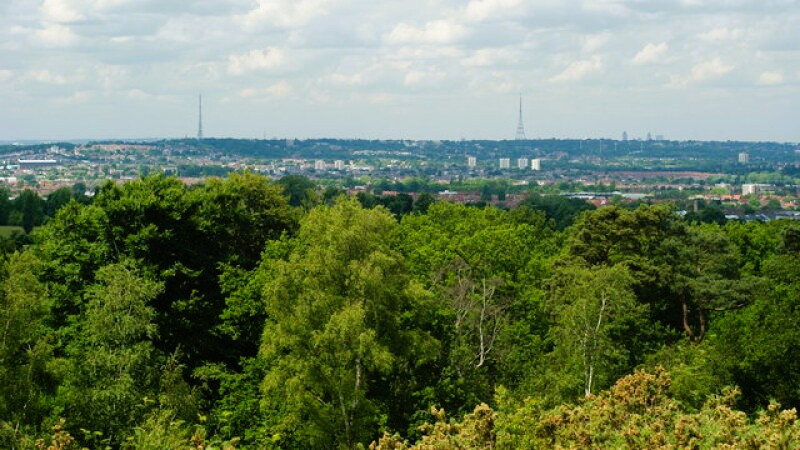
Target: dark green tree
[
  {"x": 562, "y": 210},
  {"x": 300, "y": 190},
  {"x": 5, "y": 205},
  {"x": 29, "y": 210},
  {"x": 57, "y": 200},
  {"x": 423, "y": 202},
  {"x": 184, "y": 237}
]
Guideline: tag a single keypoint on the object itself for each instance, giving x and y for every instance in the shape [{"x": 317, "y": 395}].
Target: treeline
[
  {"x": 722, "y": 153},
  {"x": 221, "y": 316},
  {"x": 28, "y": 210}
]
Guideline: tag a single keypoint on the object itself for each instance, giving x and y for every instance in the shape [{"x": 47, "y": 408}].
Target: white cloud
[
  {"x": 489, "y": 57},
  {"x": 284, "y": 13},
  {"x": 479, "y": 10},
  {"x": 650, "y": 53},
  {"x": 721, "y": 34},
  {"x": 110, "y": 76},
  {"x": 60, "y": 11},
  {"x": 771, "y": 78},
  {"x": 348, "y": 80},
  {"x": 74, "y": 99},
  {"x": 506, "y": 87},
  {"x": 578, "y": 70},
  {"x": 420, "y": 78},
  {"x": 614, "y": 7},
  {"x": 256, "y": 60},
  {"x": 137, "y": 94},
  {"x": 47, "y": 77},
  {"x": 56, "y": 35},
  {"x": 356, "y": 51},
  {"x": 279, "y": 89},
  {"x": 434, "y": 32},
  {"x": 382, "y": 98},
  {"x": 594, "y": 42},
  {"x": 702, "y": 72},
  {"x": 67, "y": 11},
  {"x": 423, "y": 53},
  {"x": 709, "y": 70}
]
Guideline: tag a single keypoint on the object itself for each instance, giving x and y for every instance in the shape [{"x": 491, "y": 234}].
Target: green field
[{"x": 8, "y": 230}]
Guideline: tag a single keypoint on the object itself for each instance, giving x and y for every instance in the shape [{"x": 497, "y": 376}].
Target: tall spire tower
[
  {"x": 200, "y": 118},
  {"x": 520, "y": 126}
]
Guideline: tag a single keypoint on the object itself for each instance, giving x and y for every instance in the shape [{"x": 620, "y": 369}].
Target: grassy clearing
[{"x": 8, "y": 230}]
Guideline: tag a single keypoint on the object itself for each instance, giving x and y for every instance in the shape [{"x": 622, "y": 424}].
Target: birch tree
[
  {"x": 591, "y": 307},
  {"x": 479, "y": 312}
]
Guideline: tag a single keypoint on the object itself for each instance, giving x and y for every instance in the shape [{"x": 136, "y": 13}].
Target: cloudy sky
[{"x": 425, "y": 69}]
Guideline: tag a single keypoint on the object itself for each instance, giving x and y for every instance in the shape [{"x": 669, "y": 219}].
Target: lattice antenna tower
[
  {"x": 520, "y": 126},
  {"x": 200, "y": 118}
]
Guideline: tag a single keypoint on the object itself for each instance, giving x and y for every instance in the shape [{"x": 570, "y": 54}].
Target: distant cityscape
[{"x": 742, "y": 177}]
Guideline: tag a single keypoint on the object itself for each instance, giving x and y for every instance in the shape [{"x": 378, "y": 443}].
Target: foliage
[
  {"x": 336, "y": 337},
  {"x": 60, "y": 440},
  {"x": 300, "y": 190},
  {"x": 637, "y": 412},
  {"x": 475, "y": 432},
  {"x": 26, "y": 349},
  {"x": 562, "y": 211},
  {"x": 28, "y": 210},
  {"x": 159, "y": 315},
  {"x": 595, "y": 314},
  {"x": 485, "y": 267},
  {"x": 114, "y": 364}
]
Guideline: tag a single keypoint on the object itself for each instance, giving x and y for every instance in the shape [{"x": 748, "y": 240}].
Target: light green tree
[
  {"x": 114, "y": 366},
  {"x": 25, "y": 349},
  {"x": 341, "y": 326},
  {"x": 590, "y": 307}
]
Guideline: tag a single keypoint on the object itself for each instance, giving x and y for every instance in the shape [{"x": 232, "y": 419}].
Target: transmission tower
[
  {"x": 200, "y": 118},
  {"x": 520, "y": 126}
]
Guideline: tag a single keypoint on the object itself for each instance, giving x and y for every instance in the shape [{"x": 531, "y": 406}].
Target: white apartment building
[{"x": 505, "y": 163}]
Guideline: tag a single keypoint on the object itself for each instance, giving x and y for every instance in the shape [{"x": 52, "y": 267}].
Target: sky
[{"x": 400, "y": 69}]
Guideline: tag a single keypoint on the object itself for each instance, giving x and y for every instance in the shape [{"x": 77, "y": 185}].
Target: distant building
[
  {"x": 319, "y": 165},
  {"x": 744, "y": 158},
  {"x": 472, "y": 162},
  {"x": 338, "y": 164},
  {"x": 522, "y": 163},
  {"x": 753, "y": 189},
  {"x": 29, "y": 163},
  {"x": 536, "y": 164},
  {"x": 624, "y": 135},
  {"x": 505, "y": 163}
]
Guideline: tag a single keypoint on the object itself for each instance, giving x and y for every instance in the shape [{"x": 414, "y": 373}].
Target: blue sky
[{"x": 420, "y": 69}]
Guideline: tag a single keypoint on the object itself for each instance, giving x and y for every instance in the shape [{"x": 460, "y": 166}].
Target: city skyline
[{"x": 443, "y": 69}]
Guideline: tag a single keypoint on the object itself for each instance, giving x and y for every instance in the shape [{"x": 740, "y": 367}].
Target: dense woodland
[{"x": 242, "y": 314}]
